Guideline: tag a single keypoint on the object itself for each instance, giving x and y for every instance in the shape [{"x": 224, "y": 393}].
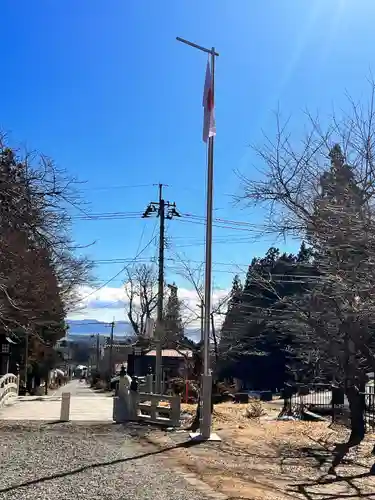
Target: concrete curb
[{"x": 189, "y": 477}]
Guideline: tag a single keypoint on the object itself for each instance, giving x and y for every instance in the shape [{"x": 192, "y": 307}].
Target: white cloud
[{"x": 110, "y": 302}]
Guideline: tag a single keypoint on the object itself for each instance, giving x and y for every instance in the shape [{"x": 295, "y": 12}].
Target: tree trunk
[
  {"x": 46, "y": 384},
  {"x": 196, "y": 422},
  {"x": 357, "y": 417}
]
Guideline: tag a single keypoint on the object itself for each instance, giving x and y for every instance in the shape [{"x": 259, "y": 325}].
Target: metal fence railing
[
  {"x": 323, "y": 399},
  {"x": 329, "y": 401},
  {"x": 370, "y": 409}
]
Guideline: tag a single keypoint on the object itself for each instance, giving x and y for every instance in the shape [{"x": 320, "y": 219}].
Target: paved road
[
  {"x": 85, "y": 405},
  {"x": 76, "y": 388},
  {"x": 85, "y": 461}
]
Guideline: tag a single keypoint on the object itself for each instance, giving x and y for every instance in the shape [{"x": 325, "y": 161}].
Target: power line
[
  {"x": 107, "y": 216},
  {"x": 153, "y": 259},
  {"x": 201, "y": 223},
  {"x": 184, "y": 217},
  {"x": 109, "y": 188},
  {"x": 220, "y": 219},
  {"x": 118, "y": 274},
  {"x": 172, "y": 259},
  {"x": 85, "y": 323}
]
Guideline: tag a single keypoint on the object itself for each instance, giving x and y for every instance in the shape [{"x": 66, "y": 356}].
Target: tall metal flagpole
[{"x": 205, "y": 424}]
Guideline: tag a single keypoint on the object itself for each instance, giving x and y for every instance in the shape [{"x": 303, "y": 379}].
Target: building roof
[
  {"x": 172, "y": 353},
  {"x": 118, "y": 347}
]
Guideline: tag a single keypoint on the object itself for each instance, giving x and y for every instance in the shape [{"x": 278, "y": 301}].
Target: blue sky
[{"x": 104, "y": 89}]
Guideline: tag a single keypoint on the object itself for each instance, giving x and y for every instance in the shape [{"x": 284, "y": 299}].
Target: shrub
[{"x": 254, "y": 410}]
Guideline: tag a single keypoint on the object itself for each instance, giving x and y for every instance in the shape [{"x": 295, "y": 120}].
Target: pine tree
[
  {"x": 173, "y": 326},
  {"x": 228, "y": 328},
  {"x": 254, "y": 344}
]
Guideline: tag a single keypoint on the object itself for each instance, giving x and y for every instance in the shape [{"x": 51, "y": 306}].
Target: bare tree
[
  {"x": 195, "y": 277},
  {"x": 37, "y": 286},
  {"x": 142, "y": 291},
  {"x": 322, "y": 189}
]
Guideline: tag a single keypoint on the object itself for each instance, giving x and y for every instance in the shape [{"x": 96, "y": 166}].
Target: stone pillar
[
  {"x": 133, "y": 406},
  {"x": 149, "y": 383},
  {"x": 65, "y": 407},
  {"x": 121, "y": 402}
]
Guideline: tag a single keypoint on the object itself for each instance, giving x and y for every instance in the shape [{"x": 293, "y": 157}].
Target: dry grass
[
  {"x": 263, "y": 459},
  {"x": 232, "y": 415}
]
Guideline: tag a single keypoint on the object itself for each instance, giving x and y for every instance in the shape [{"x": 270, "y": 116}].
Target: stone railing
[
  {"x": 159, "y": 409},
  {"x": 8, "y": 387}
]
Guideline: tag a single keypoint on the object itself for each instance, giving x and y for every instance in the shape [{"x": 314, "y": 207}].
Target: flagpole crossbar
[{"x": 199, "y": 47}]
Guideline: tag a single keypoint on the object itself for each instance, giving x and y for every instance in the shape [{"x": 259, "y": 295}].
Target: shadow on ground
[
  {"x": 355, "y": 478},
  {"x": 135, "y": 430},
  {"x": 317, "y": 470}
]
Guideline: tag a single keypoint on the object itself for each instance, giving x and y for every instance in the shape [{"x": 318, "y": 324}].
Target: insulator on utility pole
[{"x": 164, "y": 210}]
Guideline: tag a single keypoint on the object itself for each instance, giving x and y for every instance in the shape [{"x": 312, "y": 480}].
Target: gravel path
[{"x": 79, "y": 462}]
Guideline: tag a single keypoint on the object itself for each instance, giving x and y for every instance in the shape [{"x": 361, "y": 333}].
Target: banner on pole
[{"x": 209, "y": 126}]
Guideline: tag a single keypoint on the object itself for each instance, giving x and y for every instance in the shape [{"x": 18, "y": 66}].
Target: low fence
[
  {"x": 159, "y": 409},
  {"x": 324, "y": 399},
  {"x": 8, "y": 387},
  {"x": 370, "y": 409},
  {"x": 328, "y": 400}
]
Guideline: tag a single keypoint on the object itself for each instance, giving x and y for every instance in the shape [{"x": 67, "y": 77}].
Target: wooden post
[{"x": 65, "y": 407}]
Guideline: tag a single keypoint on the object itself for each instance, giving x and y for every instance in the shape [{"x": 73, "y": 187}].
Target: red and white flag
[{"x": 209, "y": 127}]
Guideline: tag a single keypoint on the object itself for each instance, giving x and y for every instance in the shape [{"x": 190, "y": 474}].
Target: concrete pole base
[
  {"x": 197, "y": 436},
  {"x": 205, "y": 423}
]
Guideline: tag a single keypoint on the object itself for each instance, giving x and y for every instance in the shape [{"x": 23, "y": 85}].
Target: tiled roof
[{"x": 172, "y": 353}]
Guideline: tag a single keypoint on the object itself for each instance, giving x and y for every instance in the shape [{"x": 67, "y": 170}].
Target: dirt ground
[{"x": 264, "y": 459}]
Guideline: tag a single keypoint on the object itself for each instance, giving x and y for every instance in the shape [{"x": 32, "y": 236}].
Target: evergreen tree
[
  {"x": 254, "y": 344},
  {"x": 228, "y": 328},
  {"x": 173, "y": 326}
]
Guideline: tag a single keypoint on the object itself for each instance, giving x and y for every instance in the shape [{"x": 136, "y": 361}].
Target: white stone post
[{"x": 65, "y": 407}]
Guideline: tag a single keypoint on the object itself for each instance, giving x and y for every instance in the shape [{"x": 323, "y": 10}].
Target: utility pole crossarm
[{"x": 159, "y": 208}]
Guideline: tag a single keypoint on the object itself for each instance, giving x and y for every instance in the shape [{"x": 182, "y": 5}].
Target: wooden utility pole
[
  {"x": 110, "y": 361},
  {"x": 97, "y": 351},
  {"x": 159, "y": 207},
  {"x": 160, "y": 308}
]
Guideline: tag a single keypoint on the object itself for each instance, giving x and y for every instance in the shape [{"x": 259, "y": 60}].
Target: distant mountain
[{"x": 83, "y": 328}]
